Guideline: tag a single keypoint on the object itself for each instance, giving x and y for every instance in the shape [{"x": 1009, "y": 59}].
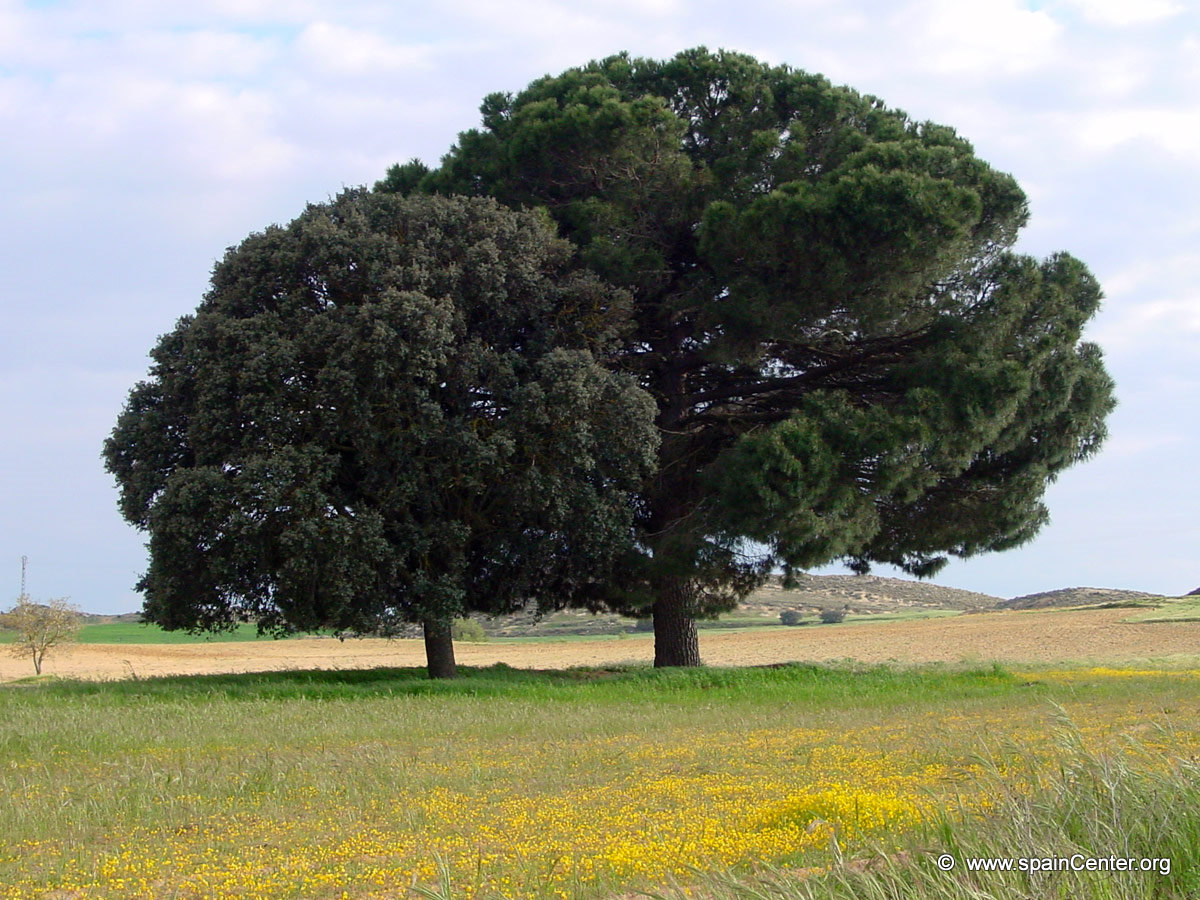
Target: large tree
[
  {"x": 386, "y": 412},
  {"x": 847, "y": 359}
]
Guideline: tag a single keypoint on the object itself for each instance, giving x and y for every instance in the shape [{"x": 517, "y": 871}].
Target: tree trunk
[
  {"x": 439, "y": 650},
  {"x": 675, "y": 639}
]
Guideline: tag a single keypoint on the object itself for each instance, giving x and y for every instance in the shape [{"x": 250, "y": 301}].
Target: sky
[{"x": 138, "y": 140}]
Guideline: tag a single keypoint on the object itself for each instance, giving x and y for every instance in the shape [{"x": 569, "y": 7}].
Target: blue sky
[{"x": 141, "y": 139}]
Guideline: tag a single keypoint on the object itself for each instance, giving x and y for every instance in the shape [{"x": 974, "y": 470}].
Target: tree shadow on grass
[
  {"x": 321, "y": 684},
  {"x": 791, "y": 683}
]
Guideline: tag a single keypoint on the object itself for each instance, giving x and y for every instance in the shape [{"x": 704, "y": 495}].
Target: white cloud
[
  {"x": 261, "y": 10},
  {"x": 555, "y": 29},
  {"x": 152, "y": 131},
  {"x": 1114, "y": 75},
  {"x": 1189, "y": 70},
  {"x": 230, "y": 133},
  {"x": 200, "y": 53},
  {"x": 1168, "y": 316},
  {"x": 625, "y": 7},
  {"x": 1174, "y": 130},
  {"x": 123, "y": 16},
  {"x": 1145, "y": 327},
  {"x": 984, "y": 37},
  {"x": 1122, "y": 13},
  {"x": 12, "y": 27},
  {"x": 1142, "y": 276},
  {"x": 347, "y": 51}
]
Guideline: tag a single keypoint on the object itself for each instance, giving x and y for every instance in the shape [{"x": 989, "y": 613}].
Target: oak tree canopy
[{"x": 389, "y": 411}]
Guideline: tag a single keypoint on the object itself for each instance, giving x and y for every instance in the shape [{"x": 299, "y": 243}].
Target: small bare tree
[{"x": 40, "y": 626}]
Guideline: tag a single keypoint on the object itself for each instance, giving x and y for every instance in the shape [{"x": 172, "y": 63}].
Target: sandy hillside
[{"x": 1096, "y": 635}]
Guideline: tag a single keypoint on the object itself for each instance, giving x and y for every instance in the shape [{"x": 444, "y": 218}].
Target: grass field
[
  {"x": 134, "y": 633},
  {"x": 1175, "y": 609},
  {"x": 752, "y": 782}
]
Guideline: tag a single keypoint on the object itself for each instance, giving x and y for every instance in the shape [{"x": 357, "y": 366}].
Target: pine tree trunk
[
  {"x": 439, "y": 650},
  {"x": 675, "y": 640}
]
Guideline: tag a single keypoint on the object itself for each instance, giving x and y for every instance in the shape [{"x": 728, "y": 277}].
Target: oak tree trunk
[
  {"x": 675, "y": 640},
  {"x": 439, "y": 649}
]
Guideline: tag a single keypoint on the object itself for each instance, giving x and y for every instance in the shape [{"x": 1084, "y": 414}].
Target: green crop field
[
  {"x": 134, "y": 633},
  {"x": 791, "y": 781},
  {"x": 1172, "y": 609}
]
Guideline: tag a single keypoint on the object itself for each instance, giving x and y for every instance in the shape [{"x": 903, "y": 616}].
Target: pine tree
[{"x": 847, "y": 359}]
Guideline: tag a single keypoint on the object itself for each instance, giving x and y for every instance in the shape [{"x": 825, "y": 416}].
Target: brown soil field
[{"x": 1096, "y": 636}]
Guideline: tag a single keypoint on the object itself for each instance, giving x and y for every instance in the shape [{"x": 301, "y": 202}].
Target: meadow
[
  {"x": 787, "y": 781},
  {"x": 137, "y": 633}
]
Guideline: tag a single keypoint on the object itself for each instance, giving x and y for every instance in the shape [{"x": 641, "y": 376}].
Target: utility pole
[{"x": 24, "y": 566}]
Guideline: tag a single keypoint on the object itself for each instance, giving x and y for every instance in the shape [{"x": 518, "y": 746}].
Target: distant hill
[
  {"x": 1077, "y": 596},
  {"x": 867, "y": 594}
]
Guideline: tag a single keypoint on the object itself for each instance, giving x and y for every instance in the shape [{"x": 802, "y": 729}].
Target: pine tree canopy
[{"x": 847, "y": 358}]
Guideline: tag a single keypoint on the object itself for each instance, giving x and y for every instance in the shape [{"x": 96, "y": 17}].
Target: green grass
[
  {"x": 1182, "y": 609},
  {"x": 908, "y": 615},
  {"x": 812, "y": 685},
  {"x": 134, "y": 633},
  {"x": 95, "y": 770},
  {"x": 59, "y": 728}
]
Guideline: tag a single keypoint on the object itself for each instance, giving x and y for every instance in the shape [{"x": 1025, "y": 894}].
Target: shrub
[
  {"x": 791, "y": 617},
  {"x": 832, "y": 616},
  {"x": 40, "y": 626},
  {"x": 468, "y": 630}
]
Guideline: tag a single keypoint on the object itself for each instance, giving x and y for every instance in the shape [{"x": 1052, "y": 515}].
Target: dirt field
[{"x": 1096, "y": 636}]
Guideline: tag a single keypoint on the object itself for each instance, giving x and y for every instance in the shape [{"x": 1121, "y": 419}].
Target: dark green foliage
[
  {"x": 403, "y": 179},
  {"x": 832, "y": 616},
  {"x": 791, "y": 617},
  {"x": 847, "y": 360},
  {"x": 386, "y": 412}
]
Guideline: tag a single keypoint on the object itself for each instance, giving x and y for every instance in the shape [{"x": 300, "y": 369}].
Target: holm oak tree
[
  {"x": 848, "y": 360},
  {"x": 387, "y": 412}
]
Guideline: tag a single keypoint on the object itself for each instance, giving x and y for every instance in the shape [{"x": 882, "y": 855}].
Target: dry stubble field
[{"x": 1037, "y": 636}]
